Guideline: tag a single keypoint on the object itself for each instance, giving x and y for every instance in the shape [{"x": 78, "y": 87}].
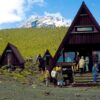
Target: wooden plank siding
[
  {"x": 84, "y": 20},
  {"x": 16, "y": 58},
  {"x": 83, "y": 34},
  {"x": 84, "y": 38}
]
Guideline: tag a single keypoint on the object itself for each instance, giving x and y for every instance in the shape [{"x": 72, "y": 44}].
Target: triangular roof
[
  {"x": 51, "y": 61},
  {"x": 84, "y": 11},
  {"x": 39, "y": 57},
  {"x": 47, "y": 53},
  {"x": 16, "y": 53}
]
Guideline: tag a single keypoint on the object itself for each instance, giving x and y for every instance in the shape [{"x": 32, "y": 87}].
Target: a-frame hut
[
  {"x": 12, "y": 57},
  {"x": 48, "y": 60},
  {"x": 83, "y": 37}
]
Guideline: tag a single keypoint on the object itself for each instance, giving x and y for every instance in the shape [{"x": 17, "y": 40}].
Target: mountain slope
[{"x": 32, "y": 41}]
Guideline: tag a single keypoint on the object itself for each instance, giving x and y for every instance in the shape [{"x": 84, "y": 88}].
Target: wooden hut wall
[
  {"x": 48, "y": 59},
  {"x": 14, "y": 57},
  {"x": 84, "y": 32},
  {"x": 84, "y": 38},
  {"x": 14, "y": 60}
]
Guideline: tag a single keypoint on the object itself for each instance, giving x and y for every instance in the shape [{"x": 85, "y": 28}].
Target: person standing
[
  {"x": 47, "y": 76},
  {"x": 81, "y": 64},
  {"x": 77, "y": 58},
  {"x": 95, "y": 72},
  {"x": 60, "y": 81},
  {"x": 87, "y": 64},
  {"x": 53, "y": 75}
]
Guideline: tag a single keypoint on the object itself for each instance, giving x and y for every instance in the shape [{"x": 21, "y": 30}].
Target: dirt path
[{"x": 11, "y": 90}]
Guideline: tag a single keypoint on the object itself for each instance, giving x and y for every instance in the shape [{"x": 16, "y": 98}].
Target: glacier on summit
[{"x": 46, "y": 21}]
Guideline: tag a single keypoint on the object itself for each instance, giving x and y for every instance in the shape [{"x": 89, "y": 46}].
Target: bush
[{"x": 18, "y": 76}]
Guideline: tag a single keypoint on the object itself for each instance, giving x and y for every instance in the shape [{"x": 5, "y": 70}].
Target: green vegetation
[
  {"x": 28, "y": 76},
  {"x": 32, "y": 41}
]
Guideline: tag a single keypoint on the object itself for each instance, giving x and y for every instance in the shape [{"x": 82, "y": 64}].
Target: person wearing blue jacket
[{"x": 95, "y": 72}]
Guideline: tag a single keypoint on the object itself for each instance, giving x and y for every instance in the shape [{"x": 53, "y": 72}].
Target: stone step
[
  {"x": 85, "y": 84},
  {"x": 85, "y": 81},
  {"x": 85, "y": 75},
  {"x": 85, "y": 78},
  {"x": 81, "y": 76}
]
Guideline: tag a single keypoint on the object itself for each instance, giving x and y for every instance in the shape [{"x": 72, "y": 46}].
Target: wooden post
[{"x": 63, "y": 56}]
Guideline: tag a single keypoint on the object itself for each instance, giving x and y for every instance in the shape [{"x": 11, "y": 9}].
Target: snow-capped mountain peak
[{"x": 46, "y": 21}]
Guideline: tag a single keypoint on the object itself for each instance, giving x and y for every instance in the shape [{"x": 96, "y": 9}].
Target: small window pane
[
  {"x": 69, "y": 56},
  {"x": 8, "y": 51},
  {"x": 60, "y": 59},
  {"x": 83, "y": 29}
]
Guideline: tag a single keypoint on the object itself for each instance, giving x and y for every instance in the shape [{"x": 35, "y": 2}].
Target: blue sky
[{"x": 14, "y": 12}]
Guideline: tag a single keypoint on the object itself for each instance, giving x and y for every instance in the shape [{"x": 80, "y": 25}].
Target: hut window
[
  {"x": 84, "y": 29},
  {"x": 60, "y": 59},
  {"x": 8, "y": 51},
  {"x": 69, "y": 56},
  {"x": 83, "y": 15},
  {"x": 9, "y": 58}
]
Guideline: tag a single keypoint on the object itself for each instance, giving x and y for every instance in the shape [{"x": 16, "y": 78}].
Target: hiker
[
  {"x": 53, "y": 75},
  {"x": 87, "y": 64},
  {"x": 58, "y": 68},
  {"x": 95, "y": 57},
  {"x": 77, "y": 58},
  {"x": 41, "y": 63},
  {"x": 46, "y": 76},
  {"x": 95, "y": 72},
  {"x": 60, "y": 81},
  {"x": 81, "y": 64}
]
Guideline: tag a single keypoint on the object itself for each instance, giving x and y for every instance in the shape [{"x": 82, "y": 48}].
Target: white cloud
[
  {"x": 11, "y": 11},
  {"x": 57, "y": 14},
  {"x": 14, "y": 10}
]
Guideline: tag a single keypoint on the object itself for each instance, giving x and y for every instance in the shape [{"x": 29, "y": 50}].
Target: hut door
[
  {"x": 87, "y": 53},
  {"x": 84, "y": 53},
  {"x": 9, "y": 57}
]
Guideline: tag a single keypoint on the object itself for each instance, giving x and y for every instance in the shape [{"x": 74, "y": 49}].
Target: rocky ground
[
  {"x": 13, "y": 90},
  {"x": 29, "y": 86}
]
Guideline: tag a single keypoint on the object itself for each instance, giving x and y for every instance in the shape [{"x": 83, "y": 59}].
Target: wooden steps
[
  {"x": 85, "y": 79},
  {"x": 85, "y": 84}
]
